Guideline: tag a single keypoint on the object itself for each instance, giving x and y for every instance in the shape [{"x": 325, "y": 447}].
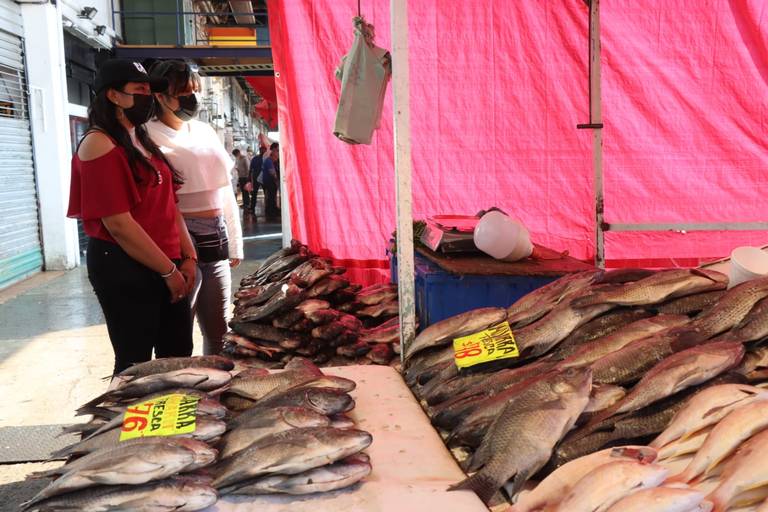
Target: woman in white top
[{"x": 206, "y": 200}]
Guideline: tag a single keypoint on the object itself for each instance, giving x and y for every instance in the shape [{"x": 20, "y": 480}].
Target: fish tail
[
  {"x": 96, "y": 401},
  {"x": 480, "y": 483},
  {"x": 37, "y": 475},
  {"x": 63, "y": 452}
]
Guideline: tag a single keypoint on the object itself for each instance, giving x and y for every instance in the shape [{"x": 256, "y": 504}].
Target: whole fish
[
  {"x": 425, "y": 360},
  {"x": 203, "y": 455},
  {"x": 355, "y": 350},
  {"x": 725, "y": 437},
  {"x": 677, "y": 372},
  {"x": 287, "y": 297},
  {"x": 205, "y": 407},
  {"x": 258, "y": 294},
  {"x": 530, "y": 430},
  {"x": 237, "y": 343},
  {"x": 293, "y": 248},
  {"x": 134, "y": 465},
  {"x": 631, "y": 362},
  {"x": 327, "y": 286},
  {"x": 388, "y": 332},
  {"x": 323, "y": 479},
  {"x": 342, "y": 421},
  {"x": 731, "y": 309},
  {"x": 624, "y": 429},
  {"x": 557, "y": 484},
  {"x": 323, "y": 316},
  {"x": 110, "y": 411},
  {"x": 206, "y": 429},
  {"x": 690, "y": 304},
  {"x": 601, "y": 398},
  {"x": 324, "y": 381},
  {"x": 663, "y": 285},
  {"x": 250, "y": 427},
  {"x": 321, "y": 400},
  {"x": 592, "y": 351},
  {"x": 662, "y": 499},
  {"x": 607, "y": 484},
  {"x": 597, "y": 328},
  {"x": 443, "y": 332},
  {"x": 624, "y": 275},
  {"x": 280, "y": 267},
  {"x": 381, "y": 353},
  {"x": 754, "y": 326},
  {"x": 290, "y": 453},
  {"x": 684, "y": 447},
  {"x": 370, "y": 297},
  {"x": 541, "y": 336},
  {"x": 745, "y": 471},
  {"x": 441, "y": 389},
  {"x": 204, "y": 379},
  {"x": 451, "y": 413},
  {"x": 381, "y": 310},
  {"x": 178, "y": 494},
  {"x": 310, "y": 272},
  {"x": 707, "y": 408},
  {"x": 534, "y": 305},
  {"x": 256, "y": 387},
  {"x": 168, "y": 364},
  {"x": 472, "y": 429},
  {"x": 308, "y": 306},
  {"x": 287, "y": 319}
]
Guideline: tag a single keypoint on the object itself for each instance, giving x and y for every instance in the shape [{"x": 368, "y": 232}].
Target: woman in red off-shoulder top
[{"x": 141, "y": 260}]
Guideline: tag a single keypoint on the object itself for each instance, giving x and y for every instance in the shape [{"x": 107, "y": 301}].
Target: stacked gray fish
[
  {"x": 142, "y": 473},
  {"x": 298, "y": 304},
  {"x": 290, "y": 434},
  {"x": 606, "y": 358}
]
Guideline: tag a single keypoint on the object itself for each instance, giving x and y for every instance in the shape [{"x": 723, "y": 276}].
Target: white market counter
[{"x": 411, "y": 466}]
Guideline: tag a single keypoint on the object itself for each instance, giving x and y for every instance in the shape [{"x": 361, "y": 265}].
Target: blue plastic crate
[{"x": 440, "y": 294}]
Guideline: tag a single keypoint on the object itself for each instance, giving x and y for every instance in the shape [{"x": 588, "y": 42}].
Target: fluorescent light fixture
[{"x": 88, "y": 13}]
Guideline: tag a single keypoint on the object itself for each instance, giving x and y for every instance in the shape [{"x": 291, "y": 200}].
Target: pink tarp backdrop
[{"x": 497, "y": 89}]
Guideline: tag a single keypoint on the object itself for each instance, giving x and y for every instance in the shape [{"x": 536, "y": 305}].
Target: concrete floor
[{"x": 54, "y": 351}]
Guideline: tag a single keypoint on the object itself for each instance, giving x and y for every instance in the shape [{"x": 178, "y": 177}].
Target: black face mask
[
  {"x": 142, "y": 109},
  {"x": 188, "y": 107}
]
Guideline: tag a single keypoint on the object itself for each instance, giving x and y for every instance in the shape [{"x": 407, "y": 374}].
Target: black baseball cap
[{"x": 116, "y": 71}]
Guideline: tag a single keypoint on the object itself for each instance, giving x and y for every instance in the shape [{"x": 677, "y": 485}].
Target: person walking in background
[
  {"x": 269, "y": 179},
  {"x": 141, "y": 260},
  {"x": 206, "y": 199},
  {"x": 243, "y": 177},
  {"x": 255, "y": 167}
]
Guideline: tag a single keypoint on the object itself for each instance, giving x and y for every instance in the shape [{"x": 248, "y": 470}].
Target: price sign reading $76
[
  {"x": 492, "y": 344},
  {"x": 168, "y": 415}
]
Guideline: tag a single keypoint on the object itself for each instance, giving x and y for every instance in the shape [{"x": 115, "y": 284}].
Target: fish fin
[
  {"x": 49, "y": 473},
  {"x": 64, "y": 452},
  {"x": 480, "y": 483},
  {"x": 702, "y": 273},
  {"x": 96, "y": 401}
]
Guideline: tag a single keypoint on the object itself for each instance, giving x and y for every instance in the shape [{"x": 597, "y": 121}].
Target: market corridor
[{"x": 54, "y": 351}]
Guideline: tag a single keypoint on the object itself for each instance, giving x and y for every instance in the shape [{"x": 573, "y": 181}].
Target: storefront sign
[
  {"x": 168, "y": 415},
  {"x": 492, "y": 344}
]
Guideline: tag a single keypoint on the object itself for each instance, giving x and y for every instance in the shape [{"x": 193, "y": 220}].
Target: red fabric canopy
[{"x": 497, "y": 89}]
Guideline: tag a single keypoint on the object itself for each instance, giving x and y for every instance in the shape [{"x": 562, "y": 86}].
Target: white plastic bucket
[
  {"x": 747, "y": 263},
  {"x": 502, "y": 237}
]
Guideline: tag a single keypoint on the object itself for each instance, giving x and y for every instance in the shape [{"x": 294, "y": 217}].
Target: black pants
[
  {"x": 254, "y": 195},
  {"x": 246, "y": 195},
  {"x": 137, "y": 307},
  {"x": 270, "y": 200}
]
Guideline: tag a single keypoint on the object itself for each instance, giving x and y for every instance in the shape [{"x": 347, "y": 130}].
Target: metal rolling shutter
[{"x": 20, "y": 247}]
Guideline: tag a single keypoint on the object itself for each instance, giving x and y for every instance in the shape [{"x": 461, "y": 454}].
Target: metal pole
[
  {"x": 596, "y": 119},
  {"x": 402, "y": 133},
  {"x": 179, "y": 10}
]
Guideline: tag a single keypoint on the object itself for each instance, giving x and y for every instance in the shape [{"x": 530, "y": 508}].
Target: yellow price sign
[
  {"x": 168, "y": 415},
  {"x": 492, "y": 344}
]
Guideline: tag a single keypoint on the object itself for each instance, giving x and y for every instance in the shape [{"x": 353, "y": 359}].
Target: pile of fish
[
  {"x": 290, "y": 433},
  {"x": 605, "y": 358},
  {"x": 286, "y": 434},
  {"x": 719, "y": 438},
  {"x": 297, "y": 303}
]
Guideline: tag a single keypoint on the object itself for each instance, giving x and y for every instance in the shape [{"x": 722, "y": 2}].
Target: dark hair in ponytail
[
  {"x": 102, "y": 116},
  {"x": 177, "y": 72}
]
